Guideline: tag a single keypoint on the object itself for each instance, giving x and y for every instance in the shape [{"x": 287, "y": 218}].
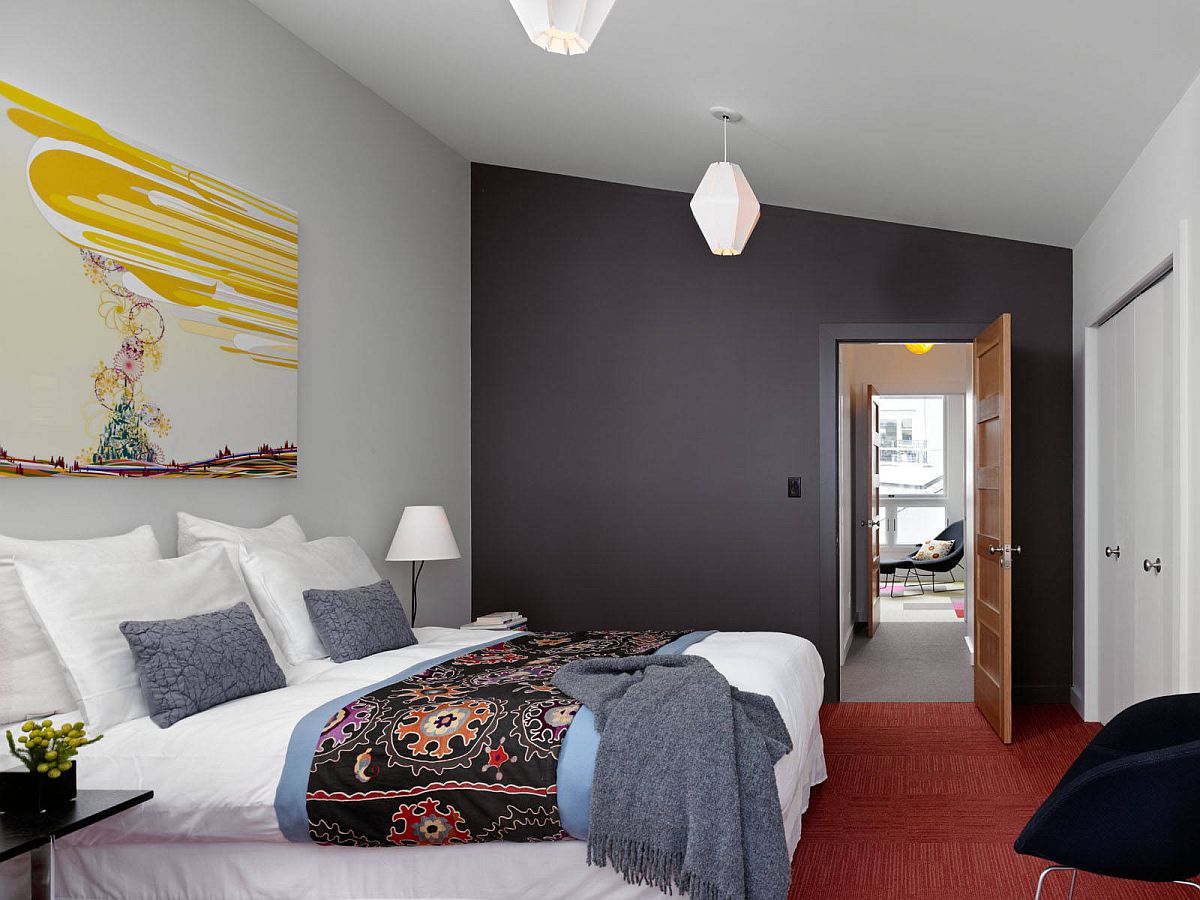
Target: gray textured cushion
[
  {"x": 358, "y": 622},
  {"x": 191, "y": 664}
]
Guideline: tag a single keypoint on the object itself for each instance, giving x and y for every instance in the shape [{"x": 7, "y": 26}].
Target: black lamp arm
[{"x": 416, "y": 573}]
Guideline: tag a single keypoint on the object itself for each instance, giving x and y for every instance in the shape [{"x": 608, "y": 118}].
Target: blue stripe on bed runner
[
  {"x": 577, "y": 757},
  {"x": 291, "y": 796}
]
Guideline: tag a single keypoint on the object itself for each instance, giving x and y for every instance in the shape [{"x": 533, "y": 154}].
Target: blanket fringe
[{"x": 642, "y": 863}]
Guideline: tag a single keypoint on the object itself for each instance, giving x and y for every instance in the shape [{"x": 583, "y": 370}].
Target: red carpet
[{"x": 923, "y": 801}]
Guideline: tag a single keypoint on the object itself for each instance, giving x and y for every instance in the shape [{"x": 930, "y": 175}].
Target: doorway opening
[
  {"x": 989, "y": 526},
  {"x": 906, "y": 554}
]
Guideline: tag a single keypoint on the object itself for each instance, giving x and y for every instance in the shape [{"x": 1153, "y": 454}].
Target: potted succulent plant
[{"x": 48, "y": 753}]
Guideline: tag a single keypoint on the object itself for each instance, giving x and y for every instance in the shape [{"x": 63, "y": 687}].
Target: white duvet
[{"x": 214, "y": 775}]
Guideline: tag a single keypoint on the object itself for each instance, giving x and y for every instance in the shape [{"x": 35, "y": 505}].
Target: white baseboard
[
  {"x": 1077, "y": 701},
  {"x": 970, "y": 647}
]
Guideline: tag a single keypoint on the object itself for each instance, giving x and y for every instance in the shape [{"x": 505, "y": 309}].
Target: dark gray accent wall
[{"x": 638, "y": 404}]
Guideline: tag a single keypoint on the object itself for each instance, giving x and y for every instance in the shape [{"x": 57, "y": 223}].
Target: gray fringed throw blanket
[{"x": 684, "y": 789}]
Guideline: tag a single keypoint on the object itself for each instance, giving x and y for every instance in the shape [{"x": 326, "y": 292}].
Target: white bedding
[{"x": 211, "y": 829}]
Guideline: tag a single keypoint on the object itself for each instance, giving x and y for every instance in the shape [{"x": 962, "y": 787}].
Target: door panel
[
  {"x": 873, "y": 511},
  {"x": 993, "y": 525},
  {"x": 1151, "y": 462},
  {"x": 1115, "y": 607},
  {"x": 1136, "y": 457},
  {"x": 1150, "y": 421}
]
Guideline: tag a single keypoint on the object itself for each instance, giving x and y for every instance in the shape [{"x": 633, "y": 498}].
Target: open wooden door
[
  {"x": 994, "y": 549},
  {"x": 872, "y": 521}
]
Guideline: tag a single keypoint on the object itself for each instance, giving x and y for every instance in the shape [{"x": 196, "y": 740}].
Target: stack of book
[{"x": 499, "y": 621}]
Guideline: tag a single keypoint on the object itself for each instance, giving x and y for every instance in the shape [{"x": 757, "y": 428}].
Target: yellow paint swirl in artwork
[{"x": 219, "y": 254}]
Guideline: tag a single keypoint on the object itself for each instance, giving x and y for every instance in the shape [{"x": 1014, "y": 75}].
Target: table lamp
[{"x": 423, "y": 534}]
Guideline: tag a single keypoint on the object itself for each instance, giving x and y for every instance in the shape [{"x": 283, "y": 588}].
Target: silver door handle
[
  {"x": 1008, "y": 551},
  {"x": 873, "y": 523},
  {"x": 1114, "y": 552},
  {"x": 1156, "y": 565}
]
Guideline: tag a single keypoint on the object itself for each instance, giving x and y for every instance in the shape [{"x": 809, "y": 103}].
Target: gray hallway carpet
[{"x": 909, "y": 662}]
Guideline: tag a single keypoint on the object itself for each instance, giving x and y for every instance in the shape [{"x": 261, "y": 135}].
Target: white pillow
[
  {"x": 81, "y": 608},
  {"x": 933, "y": 549},
  {"x": 32, "y": 682},
  {"x": 278, "y": 577},
  {"x": 196, "y": 533}
]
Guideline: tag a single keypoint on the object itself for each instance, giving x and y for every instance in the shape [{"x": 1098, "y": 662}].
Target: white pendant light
[
  {"x": 562, "y": 26},
  {"x": 724, "y": 205}
]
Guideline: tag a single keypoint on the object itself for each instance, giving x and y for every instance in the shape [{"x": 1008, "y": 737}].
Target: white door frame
[{"x": 1174, "y": 262}]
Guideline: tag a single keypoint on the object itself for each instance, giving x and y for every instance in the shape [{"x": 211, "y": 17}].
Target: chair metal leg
[
  {"x": 1046, "y": 871},
  {"x": 1074, "y": 873}
]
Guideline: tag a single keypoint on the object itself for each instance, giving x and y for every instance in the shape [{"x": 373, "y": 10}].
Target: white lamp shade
[
  {"x": 562, "y": 26},
  {"x": 725, "y": 208},
  {"x": 423, "y": 533}
]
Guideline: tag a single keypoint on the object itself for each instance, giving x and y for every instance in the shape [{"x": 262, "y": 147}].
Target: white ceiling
[{"x": 1014, "y": 118}]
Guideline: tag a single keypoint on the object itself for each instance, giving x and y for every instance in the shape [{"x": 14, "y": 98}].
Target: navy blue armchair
[{"x": 1129, "y": 806}]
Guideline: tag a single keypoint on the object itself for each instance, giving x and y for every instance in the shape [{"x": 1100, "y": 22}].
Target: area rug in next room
[{"x": 923, "y": 801}]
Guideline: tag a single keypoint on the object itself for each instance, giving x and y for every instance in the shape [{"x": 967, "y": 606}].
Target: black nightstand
[{"x": 35, "y": 833}]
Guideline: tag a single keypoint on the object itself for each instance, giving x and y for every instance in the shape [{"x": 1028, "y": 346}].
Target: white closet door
[
  {"x": 1116, "y": 454},
  {"x": 1153, "y": 469},
  {"x": 1138, "y": 432}
]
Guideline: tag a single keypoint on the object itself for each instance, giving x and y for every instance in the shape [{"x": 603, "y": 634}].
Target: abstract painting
[{"x": 148, "y": 319}]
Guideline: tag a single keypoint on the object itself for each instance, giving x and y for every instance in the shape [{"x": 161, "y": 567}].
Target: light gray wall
[
  {"x": 384, "y": 267},
  {"x": 1151, "y": 218}
]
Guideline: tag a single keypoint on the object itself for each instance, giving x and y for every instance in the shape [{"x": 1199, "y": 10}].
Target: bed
[{"x": 212, "y": 830}]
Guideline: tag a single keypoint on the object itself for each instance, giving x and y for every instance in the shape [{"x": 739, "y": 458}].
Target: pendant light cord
[{"x": 725, "y": 126}]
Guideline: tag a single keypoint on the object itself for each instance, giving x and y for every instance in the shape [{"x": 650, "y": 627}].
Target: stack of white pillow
[{"x": 61, "y": 603}]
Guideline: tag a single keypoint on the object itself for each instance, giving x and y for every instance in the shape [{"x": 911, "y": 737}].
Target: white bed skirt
[{"x": 236, "y": 871}]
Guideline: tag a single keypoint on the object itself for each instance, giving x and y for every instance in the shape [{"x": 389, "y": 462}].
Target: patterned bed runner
[{"x": 464, "y": 751}]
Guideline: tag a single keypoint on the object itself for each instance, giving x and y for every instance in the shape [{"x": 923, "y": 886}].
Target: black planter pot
[{"x": 31, "y": 792}]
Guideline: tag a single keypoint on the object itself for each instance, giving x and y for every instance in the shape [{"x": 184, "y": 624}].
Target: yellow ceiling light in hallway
[
  {"x": 566, "y": 27},
  {"x": 919, "y": 349}
]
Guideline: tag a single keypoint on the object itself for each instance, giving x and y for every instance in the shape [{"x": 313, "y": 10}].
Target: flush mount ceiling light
[
  {"x": 562, "y": 26},
  {"x": 724, "y": 205},
  {"x": 919, "y": 349}
]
